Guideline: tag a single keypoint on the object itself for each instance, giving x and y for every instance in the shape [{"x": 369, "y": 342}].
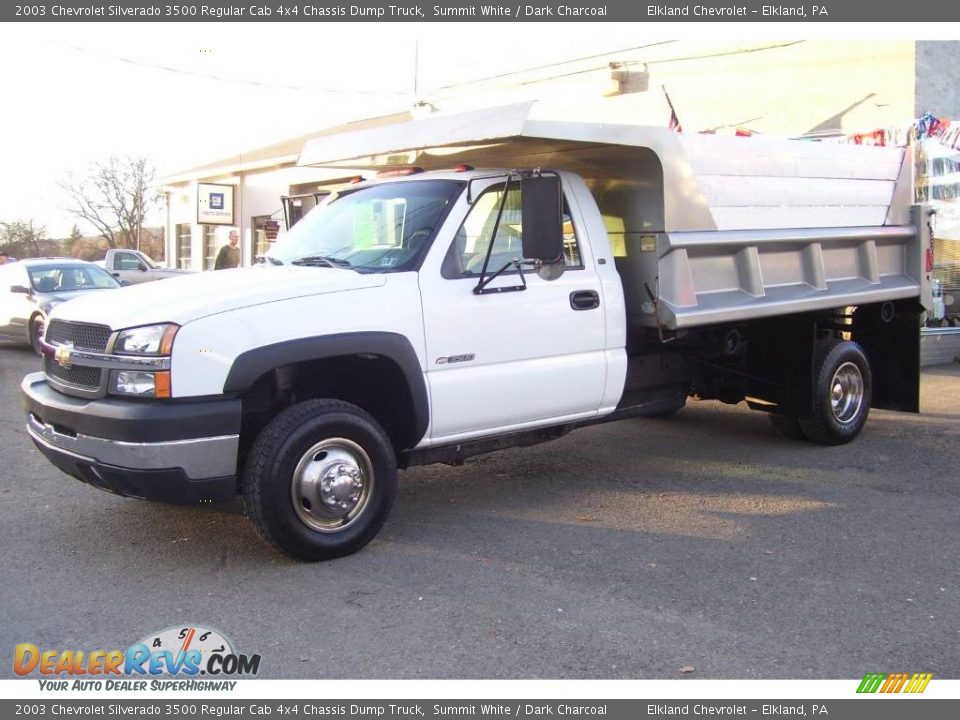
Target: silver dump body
[{"x": 704, "y": 229}]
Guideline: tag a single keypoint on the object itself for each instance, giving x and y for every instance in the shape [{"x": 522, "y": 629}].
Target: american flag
[{"x": 674, "y": 123}]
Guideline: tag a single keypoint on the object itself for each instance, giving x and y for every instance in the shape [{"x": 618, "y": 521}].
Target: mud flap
[{"x": 890, "y": 335}]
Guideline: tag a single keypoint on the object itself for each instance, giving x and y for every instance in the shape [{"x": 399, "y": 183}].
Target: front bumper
[{"x": 181, "y": 452}]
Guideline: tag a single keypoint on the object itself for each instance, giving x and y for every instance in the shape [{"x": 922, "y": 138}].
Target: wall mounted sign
[{"x": 215, "y": 204}]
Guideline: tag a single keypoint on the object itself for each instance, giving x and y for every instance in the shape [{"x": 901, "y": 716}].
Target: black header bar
[{"x": 709, "y": 11}]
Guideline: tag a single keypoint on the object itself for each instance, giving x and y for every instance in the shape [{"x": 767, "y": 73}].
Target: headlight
[
  {"x": 150, "y": 340},
  {"x": 140, "y": 383},
  {"x": 134, "y": 382},
  {"x": 147, "y": 340}
]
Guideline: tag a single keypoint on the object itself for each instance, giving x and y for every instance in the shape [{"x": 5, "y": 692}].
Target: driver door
[
  {"x": 127, "y": 266},
  {"x": 512, "y": 359},
  {"x": 15, "y": 308},
  {"x": 6, "y": 300}
]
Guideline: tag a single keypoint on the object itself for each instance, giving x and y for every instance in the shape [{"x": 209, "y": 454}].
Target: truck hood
[{"x": 190, "y": 297}]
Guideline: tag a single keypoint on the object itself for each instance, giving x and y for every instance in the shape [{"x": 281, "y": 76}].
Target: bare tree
[
  {"x": 22, "y": 238},
  {"x": 114, "y": 196}
]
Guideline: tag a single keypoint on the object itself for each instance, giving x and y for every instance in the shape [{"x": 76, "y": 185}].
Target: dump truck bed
[{"x": 704, "y": 229}]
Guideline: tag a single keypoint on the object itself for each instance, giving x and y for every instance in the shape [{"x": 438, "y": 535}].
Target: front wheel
[
  {"x": 842, "y": 388},
  {"x": 36, "y": 332},
  {"x": 320, "y": 480}
]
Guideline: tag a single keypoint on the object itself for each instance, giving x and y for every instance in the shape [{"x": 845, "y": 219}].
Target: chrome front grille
[
  {"x": 84, "y": 378},
  {"x": 76, "y": 379},
  {"x": 86, "y": 336}
]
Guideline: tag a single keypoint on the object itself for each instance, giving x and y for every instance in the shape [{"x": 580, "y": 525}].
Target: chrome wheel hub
[
  {"x": 846, "y": 393},
  {"x": 332, "y": 484},
  {"x": 340, "y": 488}
]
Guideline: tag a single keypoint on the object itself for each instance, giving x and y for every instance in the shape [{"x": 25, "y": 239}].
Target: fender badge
[
  {"x": 63, "y": 355},
  {"x": 455, "y": 359}
]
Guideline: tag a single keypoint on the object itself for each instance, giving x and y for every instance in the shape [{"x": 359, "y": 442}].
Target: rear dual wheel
[{"x": 840, "y": 402}]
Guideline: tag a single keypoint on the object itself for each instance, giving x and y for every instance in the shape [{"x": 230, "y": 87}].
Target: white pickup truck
[
  {"x": 595, "y": 273},
  {"x": 132, "y": 267}
]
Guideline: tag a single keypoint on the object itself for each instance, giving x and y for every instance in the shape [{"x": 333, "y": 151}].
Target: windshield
[
  {"x": 67, "y": 278},
  {"x": 382, "y": 228}
]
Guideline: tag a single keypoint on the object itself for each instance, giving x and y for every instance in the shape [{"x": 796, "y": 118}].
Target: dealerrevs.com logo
[{"x": 186, "y": 652}]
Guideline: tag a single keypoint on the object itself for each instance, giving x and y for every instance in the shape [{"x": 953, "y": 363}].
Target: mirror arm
[
  {"x": 482, "y": 289},
  {"x": 482, "y": 283}
]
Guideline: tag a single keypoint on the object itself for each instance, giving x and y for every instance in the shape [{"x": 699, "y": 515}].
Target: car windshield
[
  {"x": 67, "y": 278},
  {"x": 382, "y": 228}
]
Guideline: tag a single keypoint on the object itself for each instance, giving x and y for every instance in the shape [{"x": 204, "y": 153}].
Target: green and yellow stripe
[{"x": 894, "y": 682}]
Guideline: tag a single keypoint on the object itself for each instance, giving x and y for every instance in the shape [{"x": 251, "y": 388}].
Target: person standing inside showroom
[{"x": 229, "y": 255}]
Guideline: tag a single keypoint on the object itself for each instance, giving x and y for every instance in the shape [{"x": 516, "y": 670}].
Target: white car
[{"x": 30, "y": 289}]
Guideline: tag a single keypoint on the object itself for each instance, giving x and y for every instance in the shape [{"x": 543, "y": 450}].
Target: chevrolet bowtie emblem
[{"x": 63, "y": 355}]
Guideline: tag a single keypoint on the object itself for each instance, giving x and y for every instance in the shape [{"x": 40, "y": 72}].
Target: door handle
[
  {"x": 584, "y": 299},
  {"x": 116, "y": 274}
]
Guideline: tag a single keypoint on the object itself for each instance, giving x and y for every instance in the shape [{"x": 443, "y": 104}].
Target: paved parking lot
[{"x": 626, "y": 550}]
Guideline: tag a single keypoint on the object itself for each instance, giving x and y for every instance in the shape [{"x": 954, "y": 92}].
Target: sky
[{"x": 184, "y": 94}]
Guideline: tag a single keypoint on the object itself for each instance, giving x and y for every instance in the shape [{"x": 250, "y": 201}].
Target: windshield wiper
[{"x": 321, "y": 261}]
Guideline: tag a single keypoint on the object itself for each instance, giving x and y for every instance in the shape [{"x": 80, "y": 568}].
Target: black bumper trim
[
  {"x": 130, "y": 420},
  {"x": 170, "y": 486}
]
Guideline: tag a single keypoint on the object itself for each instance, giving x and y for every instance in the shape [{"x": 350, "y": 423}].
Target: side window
[
  {"x": 46, "y": 280},
  {"x": 71, "y": 279},
  {"x": 468, "y": 251},
  {"x": 126, "y": 261}
]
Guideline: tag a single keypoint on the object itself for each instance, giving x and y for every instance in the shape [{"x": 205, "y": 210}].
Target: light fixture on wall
[{"x": 626, "y": 78}]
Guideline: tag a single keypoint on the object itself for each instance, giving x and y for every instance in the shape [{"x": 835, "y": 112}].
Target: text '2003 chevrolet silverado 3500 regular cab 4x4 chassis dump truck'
[{"x": 589, "y": 273}]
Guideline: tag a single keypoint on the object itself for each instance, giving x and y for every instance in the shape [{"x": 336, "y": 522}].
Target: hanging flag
[{"x": 674, "y": 123}]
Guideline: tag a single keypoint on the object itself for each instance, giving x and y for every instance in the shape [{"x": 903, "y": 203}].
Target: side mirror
[
  {"x": 20, "y": 289},
  {"x": 541, "y": 208},
  {"x": 125, "y": 283},
  {"x": 141, "y": 267}
]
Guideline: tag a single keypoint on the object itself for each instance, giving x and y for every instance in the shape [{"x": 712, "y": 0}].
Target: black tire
[
  {"x": 787, "y": 426},
  {"x": 36, "y": 332},
  {"x": 292, "y": 439},
  {"x": 827, "y": 422}
]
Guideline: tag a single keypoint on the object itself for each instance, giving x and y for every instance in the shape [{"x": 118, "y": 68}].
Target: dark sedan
[{"x": 30, "y": 289}]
